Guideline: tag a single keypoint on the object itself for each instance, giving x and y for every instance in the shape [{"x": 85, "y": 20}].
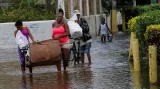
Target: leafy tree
[
  {"x": 143, "y": 2},
  {"x": 107, "y": 4}
]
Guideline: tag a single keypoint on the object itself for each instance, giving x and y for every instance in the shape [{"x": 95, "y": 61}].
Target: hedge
[
  {"x": 132, "y": 23},
  {"x": 153, "y": 37},
  {"x": 146, "y": 19},
  {"x": 149, "y": 28},
  {"x": 139, "y": 10},
  {"x": 26, "y": 13}
]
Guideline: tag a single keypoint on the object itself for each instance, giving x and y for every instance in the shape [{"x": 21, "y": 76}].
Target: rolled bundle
[{"x": 75, "y": 29}]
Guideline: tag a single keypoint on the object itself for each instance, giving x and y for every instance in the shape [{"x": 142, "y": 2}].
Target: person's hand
[
  {"x": 34, "y": 42},
  {"x": 56, "y": 38},
  {"x": 61, "y": 44}
]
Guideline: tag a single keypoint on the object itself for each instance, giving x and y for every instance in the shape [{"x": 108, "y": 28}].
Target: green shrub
[
  {"x": 26, "y": 13},
  {"x": 132, "y": 23},
  {"x": 139, "y": 10},
  {"x": 148, "y": 18},
  {"x": 151, "y": 27}
]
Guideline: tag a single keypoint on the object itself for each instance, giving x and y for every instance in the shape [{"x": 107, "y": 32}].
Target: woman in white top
[{"x": 103, "y": 30}]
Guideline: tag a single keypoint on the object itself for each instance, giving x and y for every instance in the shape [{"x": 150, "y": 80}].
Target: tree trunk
[{"x": 48, "y": 5}]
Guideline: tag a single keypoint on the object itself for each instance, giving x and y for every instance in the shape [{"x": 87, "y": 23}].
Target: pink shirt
[{"x": 58, "y": 31}]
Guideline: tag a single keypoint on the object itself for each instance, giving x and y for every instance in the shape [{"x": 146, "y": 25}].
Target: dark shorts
[{"x": 85, "y": 48}]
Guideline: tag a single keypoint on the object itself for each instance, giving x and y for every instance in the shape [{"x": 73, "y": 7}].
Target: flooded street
[{"x": 110, "y": 69}]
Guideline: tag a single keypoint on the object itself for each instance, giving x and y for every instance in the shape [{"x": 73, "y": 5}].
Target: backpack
[{"x": 85, "y": 30}]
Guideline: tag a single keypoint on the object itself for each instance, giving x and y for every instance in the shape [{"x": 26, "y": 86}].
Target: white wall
[
  {"x": 41, "y": 30},
  {"x": 119, "y": 18}
]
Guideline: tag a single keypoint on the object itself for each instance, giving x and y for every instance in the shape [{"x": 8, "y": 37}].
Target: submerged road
[{"x": 110, "y": 69}]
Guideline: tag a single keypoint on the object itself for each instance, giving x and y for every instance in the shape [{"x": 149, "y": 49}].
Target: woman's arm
[{"x": 30, "y": 35}]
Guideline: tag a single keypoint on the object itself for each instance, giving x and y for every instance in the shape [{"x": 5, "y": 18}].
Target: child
[
  {"x": 26, "y": 32},
  {"x": 103, "y": 30}
]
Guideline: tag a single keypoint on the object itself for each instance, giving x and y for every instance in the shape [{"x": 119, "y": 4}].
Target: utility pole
[
  {"x": 80, "y": 7},
  {"x": 87, "y": 5},
  {"x": 56, "y": 6},
  {"x": 95, "y": 7},
  {"x": 100, "y": 6},
  {"x": 84, "y": 7},
  {"x": 71, "y": 7},
  {"x": 60, "y": 4},
  {"x": 114, "y": 17}
]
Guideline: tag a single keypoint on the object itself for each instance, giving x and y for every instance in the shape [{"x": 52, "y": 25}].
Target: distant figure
[
  {"x": 26, "y": 32},
  {"x": 103, "y": 30}
]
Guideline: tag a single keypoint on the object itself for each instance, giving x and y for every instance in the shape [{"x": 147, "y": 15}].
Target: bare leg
[
  {"x": 65, "y": 55},
  {"x": 89, "y": 57},
  {"x": 82, "y": 58},
  {"x": 30, "y": 69},
  {"x": 58, "y": 65},
  {"x": 23, "y": 69},
  {"x": 101, "y": 38},
  {"x": 104, "y": 38}
]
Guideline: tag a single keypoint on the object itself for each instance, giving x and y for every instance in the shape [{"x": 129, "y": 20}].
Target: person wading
[
  {"x": 60, "y": 31},
  {"x": 26, "y": 32}
]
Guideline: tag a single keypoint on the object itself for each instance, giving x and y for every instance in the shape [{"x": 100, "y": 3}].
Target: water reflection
[
  {"x": 24, "y": 84},
  {"x": 136, "y": 77},
  {"x": 59, "y": 82},
  {"x": 63, "y": 81},
  {"x": 83, "y": 77}
]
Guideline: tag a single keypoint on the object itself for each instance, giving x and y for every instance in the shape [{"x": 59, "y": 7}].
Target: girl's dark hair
[
  {"x": 61, "y": 11},
  {"x": 18, "y": 23}
]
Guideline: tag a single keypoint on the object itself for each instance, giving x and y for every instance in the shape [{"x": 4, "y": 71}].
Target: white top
[{"x": 103, "y": 29}]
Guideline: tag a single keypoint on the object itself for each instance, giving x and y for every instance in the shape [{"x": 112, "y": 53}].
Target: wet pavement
[{"x": 110, "y": 69}]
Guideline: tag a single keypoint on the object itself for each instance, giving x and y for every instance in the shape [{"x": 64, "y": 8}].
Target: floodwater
[{"x": 110, "y": 69}]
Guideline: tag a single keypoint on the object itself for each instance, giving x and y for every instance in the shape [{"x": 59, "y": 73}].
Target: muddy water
[{"x": 110, "y": 69}]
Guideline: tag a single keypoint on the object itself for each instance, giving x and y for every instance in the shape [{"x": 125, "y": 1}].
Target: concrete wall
[
  {"x": 41, "y": 30},
  {"x": 94, "y": 23},
  {"x": 119, "y": 18}
]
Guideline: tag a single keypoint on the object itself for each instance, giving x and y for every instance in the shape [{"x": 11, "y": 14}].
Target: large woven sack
[{"x": 45, "y": 52}]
